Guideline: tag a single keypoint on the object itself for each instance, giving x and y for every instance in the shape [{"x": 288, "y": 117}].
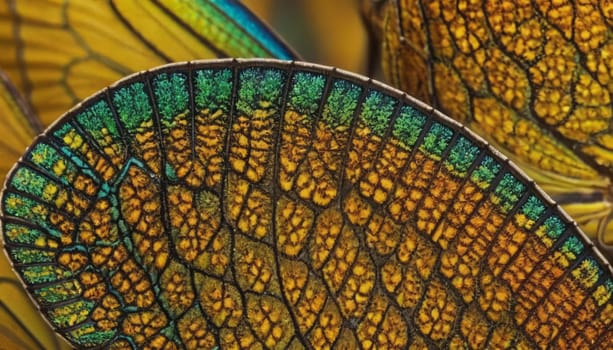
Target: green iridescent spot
[
  {"x": 46, "y": 157},
  {"x": 26, "y": 208},
  {"x": 554, "y": 227},
  {"x": 508, "y": 192},
  {"x": 377, "y": 111},
  {"x": 436, "y": 140},
  {"x": 571, "y": 248},
  {"x": 100, "y": 120},
  {"x": 408, "y": 126},
  {"x": 133, "y": 106},
  {"x": 36, "y": 274},
  {"x": 87, "y": 335},
  {"x": 213, "y": 89},
  {"x": 71, "y": 314},
  {"x": 171, "y": 95},
  {"x": 462, "y": 155},
  {"x": 20, "y": 234},
  {"x": 533, "y": 208},
  {"x": 63, "y": 163},
  {"x": 22, "y": 255},
  {"x": 60, "y": 292},
  {"x": 306, "y": 92},
  {"x": 259, "y": 89},
  {"x": 341, "y": 104},
  {"x": 63, "y": 130},
  {"x": 485, "y": 172},
  {"x": 28, "y": 181}
]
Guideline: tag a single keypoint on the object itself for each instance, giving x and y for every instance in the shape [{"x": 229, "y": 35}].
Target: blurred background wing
[
  {"x": 18, "y": 128},
  {"x": 59, "y": 52},
  {"x": 323, "y": 31},
  {"x": 534, "y": 79}
]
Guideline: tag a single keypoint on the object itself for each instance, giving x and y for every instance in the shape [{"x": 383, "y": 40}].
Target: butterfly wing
[
  {"x": 528, "y": 77},
  {"x": 59, "y": 52},
  {"x": 287, "y": 205}
]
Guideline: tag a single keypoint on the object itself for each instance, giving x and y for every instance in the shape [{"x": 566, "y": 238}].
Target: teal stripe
[{"x": 255, "y": 28}]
